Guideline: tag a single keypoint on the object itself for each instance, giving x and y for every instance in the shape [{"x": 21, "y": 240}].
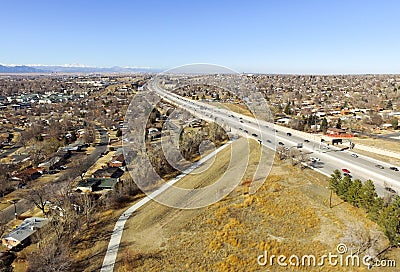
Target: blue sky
[{"x": 284, "y": 36}]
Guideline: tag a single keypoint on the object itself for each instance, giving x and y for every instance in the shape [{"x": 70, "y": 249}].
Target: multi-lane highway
[{"x": 327, "y": 158}]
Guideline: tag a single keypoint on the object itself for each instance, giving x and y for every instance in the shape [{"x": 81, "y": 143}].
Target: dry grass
[
  {"x": 290, "y": 214},
  {"x": 377, "y": 156},
  {"x": 378, "y": 143},
  {"x": 238, "y": 108},
  {"x": 4, "y": 204}
]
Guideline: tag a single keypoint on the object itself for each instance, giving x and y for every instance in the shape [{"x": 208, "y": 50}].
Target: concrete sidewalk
[{"x": 112, "y": 250}]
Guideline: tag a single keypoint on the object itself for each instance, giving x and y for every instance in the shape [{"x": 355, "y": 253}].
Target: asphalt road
[
  {"x": 330, "y": 158},
  {"x": 24, "y": 205},
  {"x": 8, "y": 151}
]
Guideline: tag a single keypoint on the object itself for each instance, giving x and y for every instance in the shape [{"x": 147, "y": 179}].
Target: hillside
[{"x": 290, "y": 214}]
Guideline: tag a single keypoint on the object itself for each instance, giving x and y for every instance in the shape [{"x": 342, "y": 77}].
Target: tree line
[{"x": 385, "y": 212}]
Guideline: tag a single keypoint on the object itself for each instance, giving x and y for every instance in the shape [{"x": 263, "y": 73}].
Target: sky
[{"x": 282, "y": 36}]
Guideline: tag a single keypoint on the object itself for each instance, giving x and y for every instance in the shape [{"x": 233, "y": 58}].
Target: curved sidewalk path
[{"x": 112, "y": 250}]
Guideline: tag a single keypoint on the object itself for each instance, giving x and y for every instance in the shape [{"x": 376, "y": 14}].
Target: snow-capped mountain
[{"x": 71, "y": 68}]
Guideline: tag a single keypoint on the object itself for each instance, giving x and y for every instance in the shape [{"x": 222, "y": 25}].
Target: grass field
[
  {"x": 378, "y": 143},
  {"x": 290, "y": 214}
]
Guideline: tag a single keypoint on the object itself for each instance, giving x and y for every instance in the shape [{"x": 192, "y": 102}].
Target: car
[
  {"x": 255, "y": 135},
  {"x": 354, "y": 155},
  {"x": 268, "y": 141},
  {"x": 246, "y": 131},
  {"x": 347, "y": 174},
  {"x": 306, "y": 141},
  {"x": 315, "y": 159},
  {"x": 240, "y": 128},
  {"x": 394, "y": 168},
  {"x": 379, "y": 166},
  {"x": 347, "y": 171},
  {"x": 289, "y": 134},
  {"x": 63, "y": 167},
  {"x": 390, "y": 190},
  {"x": 241, "y": 121},
  {"x": 52, "y": 172},
  {"x": 280, "y": 143}
]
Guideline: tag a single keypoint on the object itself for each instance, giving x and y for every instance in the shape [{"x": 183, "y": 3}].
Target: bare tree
[
  {"x": 53, "y": 255},
  {"x": 360, "y": 240},
  {"x": 40, "y": 196},
  {"x": 282, "y": 153},
  {"x": 87, "y": 205}
]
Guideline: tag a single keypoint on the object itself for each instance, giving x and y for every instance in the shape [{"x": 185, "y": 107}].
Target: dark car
[
  {"x": 280, "y": 143},
  {"x": 394, "y": 168},
  {"x": 255, "y": 135},
  {"x": 390, "y": 190},
  {"x": 246, "y": 131},
  {"x": 289, "y": 134},
  {"x": 306, "y": 141}
]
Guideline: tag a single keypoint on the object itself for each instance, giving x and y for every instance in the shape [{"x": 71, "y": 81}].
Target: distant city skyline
[{"x": 277, "y": 37}]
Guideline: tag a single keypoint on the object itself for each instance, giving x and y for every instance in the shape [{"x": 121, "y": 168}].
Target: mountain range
[{"x": 45, "y": 69}]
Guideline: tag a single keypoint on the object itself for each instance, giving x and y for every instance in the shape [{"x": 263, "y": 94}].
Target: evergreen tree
[
  {"x": 389, "y": 220},
  {"x": 395, "y": 123},
  {"x": 40, "y": 137},
  {"x": 339, "y": 123},
  {"x": 369, "y": 200},
  {"x": 324, "y": 125},
  {"x": 287, "y": 109},
  {"x": 73, "y": 136},
  {"x": 353, "y": 194},
  {"x": 335, "y": 180},
  {"x": 118, "y": 133},
  {"x": 344, "y": 187}
]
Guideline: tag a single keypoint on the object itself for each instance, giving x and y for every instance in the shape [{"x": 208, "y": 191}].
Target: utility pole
[{"x": 14, "y": 201}]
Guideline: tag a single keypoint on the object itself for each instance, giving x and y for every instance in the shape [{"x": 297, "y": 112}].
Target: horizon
[
  {"x": 311, "y": 37},
  {"x": 156, "y": 70}
]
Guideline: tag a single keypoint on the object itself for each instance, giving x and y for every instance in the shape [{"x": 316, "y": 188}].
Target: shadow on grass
[{"x": 338, "y": 204}]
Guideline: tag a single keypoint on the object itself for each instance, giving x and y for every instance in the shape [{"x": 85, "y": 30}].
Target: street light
[{"x": 14, "y": 201}]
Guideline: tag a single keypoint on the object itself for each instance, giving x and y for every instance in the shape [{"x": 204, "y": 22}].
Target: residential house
[
  {"x": 97, "y": 184},
  {"x": 108, "y": 172},
  {"x": 30, "y": 174},
  {"x": 57, "y": 160},
  {"x": 118, "y": 160},
  {"x": 22, "y": 234},
  {"x": 337, "y": 132}
]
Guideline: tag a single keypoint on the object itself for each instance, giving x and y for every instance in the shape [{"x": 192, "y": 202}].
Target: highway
[{"x": 328, "y": 157}]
